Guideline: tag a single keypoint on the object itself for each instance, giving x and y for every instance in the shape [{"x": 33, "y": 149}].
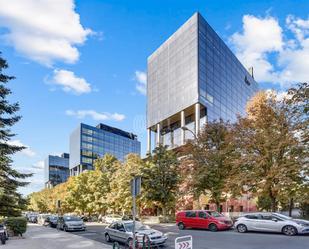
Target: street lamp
[{"x": 184, "y": 128}]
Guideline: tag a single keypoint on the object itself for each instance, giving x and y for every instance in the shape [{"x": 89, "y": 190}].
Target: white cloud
[
  {"x": 294, "y": 59},
  {"x": 141, "y": 78},
  {"x": 44, "y": 31},
  {"x": 27, "y": 151},
  {"x": 81, "y": 114},
  {"x": 264, "y": 37},
  {"x": 38, "y": 165},
  {"x": 70, "y": 82},
  {"x": 260, "y": 36}
]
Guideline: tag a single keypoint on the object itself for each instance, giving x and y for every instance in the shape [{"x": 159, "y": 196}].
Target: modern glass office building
[
  {"x": 88, "y": 143},
  {"x": 56, "y": 169},
  {"x": 191, "y": 78}
]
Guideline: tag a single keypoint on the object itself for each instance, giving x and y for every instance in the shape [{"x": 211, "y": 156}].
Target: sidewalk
[{"x": 38, "y": 237}]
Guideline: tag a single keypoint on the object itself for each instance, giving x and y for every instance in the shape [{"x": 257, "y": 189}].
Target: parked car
[
  {"x": 33, "y": 218},
  {"x": 203, "y": 219},
  {"x": 129, "y": 217},
  {"x": 110, "y": 218},
  {"x": 71, "y": 223},
  {"x": 3, "y": 234},
  {"x": 53, "y": 221},
  {"x": 271, "y": 222},
  {"x": 121, "y": 231},
  {"x": 42, "y": 219}
]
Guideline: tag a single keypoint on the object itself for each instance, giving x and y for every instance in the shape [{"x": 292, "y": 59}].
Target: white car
[
  {"x": 121, "y": 231},
  {"x": 271, "y": 222},
  {"x": 110, "y": 218}
]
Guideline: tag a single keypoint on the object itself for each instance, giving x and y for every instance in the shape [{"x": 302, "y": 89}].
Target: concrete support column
[
  {"x": 197, "y": 118},
  {"x": 182, "y": 124},
  {"x": 148, "y": 141},
  {"x": 158, "y": 140}
]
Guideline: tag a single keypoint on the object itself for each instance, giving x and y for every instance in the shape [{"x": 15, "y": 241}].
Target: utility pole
[{"x": 135, "y": 190}]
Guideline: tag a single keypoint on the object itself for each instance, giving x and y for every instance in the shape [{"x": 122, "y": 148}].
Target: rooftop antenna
[{"x": 250, "y": 70}]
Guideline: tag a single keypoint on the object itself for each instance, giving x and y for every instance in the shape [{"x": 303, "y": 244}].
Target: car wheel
[
  {"x": 213, "y": 227},
  {"x": 181, "y": 226},
  {"x": 65, "y": 229},
  {"x": 289, "y": 230},
  {"x": 107, "y": 238},
  {"x": 241, "y": 228}
]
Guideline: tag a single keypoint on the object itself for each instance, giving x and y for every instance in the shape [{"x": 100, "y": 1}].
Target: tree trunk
[
  {"x": 218, "y": 206},
  {"x": 273, "y": 203},
  {"x": 273, "y": 200},
  {"x": 164, "y": 211},
  {"x": 291, "y": 206}
]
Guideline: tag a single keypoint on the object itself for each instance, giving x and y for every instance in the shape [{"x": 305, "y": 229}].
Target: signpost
[
  {"x": 58, "y": 206},
  {"x": 135, "y": 191},
  {"x": 184, "y": 242}
]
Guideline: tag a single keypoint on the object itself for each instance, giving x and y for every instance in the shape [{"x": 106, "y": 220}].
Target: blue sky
[{"x": 85, "y": 61}]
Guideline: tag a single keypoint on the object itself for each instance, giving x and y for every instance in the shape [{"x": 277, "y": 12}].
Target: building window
[
  {"x": 241, "y": 208},
  {"x": 191, "y": 214},
  {"x": 86, "y": 131},
  {"x": 86, "y": 160}
]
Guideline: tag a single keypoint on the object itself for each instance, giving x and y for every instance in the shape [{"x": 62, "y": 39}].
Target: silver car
[
  {"x": 71, "y": 223},
  {"x": 271, "y": 222},
  {"x": 121, "y": 231}
]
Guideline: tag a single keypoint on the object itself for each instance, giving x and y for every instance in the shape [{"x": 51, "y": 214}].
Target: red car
[{"x": 203, "y": 219}]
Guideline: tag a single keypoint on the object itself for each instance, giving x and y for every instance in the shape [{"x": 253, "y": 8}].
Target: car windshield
[
  {"x": 115, "y": 216},
  {"x": 53, "y": 218},
  {"x": 214, "y": 214},
  {"x": 138, "y": 226},
  {"x": 71, "y": 218},
  {"x": 283, "y": 217}
]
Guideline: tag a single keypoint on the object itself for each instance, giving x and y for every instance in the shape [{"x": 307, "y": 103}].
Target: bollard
[
  {"x": 146, "y": 242},
  {"x": 116, "y": 245}
]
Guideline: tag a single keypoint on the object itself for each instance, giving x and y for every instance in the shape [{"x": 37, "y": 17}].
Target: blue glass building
[
  {"x": 88, "y": 143},
  {"x": 56, "y": 169},
  {"x": 192, "y": 78}
]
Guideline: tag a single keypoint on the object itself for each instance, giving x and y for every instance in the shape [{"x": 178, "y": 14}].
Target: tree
[
  {"x": 298, "y": 103},
  {"x": 210, "y": 154},
  {"x": 161, "y": 178},
  {"x": 10, "y": 179},
  {"x": 270, "y": 165},
  {"x": 119, "y": 197}
]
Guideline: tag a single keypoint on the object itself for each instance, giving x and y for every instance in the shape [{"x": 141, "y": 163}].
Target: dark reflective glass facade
[
  {"x": 192, "y": 78},
  {"x": 88, "y": 143},
  {"x": 56, "y": 169},
  {"x": 224, "y": 84}
]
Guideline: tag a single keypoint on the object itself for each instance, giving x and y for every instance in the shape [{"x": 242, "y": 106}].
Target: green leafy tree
[
  {"x": 161, "y": 178},
  {"x": 11, "y": 201},
  {"x": 210, "y": 155},
  {"x": 271, "y": 164}
]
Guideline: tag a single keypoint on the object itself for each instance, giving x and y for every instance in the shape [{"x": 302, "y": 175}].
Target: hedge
[{"x": 18, "y": 225}]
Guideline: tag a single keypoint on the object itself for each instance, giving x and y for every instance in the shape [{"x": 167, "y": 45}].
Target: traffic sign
[
  {"x": 136, "y": 183},
  {"x": 184, "y": 242}
]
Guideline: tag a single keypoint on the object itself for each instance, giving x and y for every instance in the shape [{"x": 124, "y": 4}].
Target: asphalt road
[{"x": 203, "y": 239}]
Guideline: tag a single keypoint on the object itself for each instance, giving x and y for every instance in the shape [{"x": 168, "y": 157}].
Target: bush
[
  {"x": 167, "y": 219},
  {"x": 18, "y": 225}
]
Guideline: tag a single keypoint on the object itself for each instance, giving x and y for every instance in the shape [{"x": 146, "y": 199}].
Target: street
[{"x": 203, "y": 239}]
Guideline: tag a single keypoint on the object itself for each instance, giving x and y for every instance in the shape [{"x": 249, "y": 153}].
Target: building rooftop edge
[
  {"x": 195, "y": 14},
  {"x": 113, "y": 130}
]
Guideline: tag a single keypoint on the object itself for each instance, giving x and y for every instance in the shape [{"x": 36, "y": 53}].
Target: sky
[{"x": 86, "y": 61}]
